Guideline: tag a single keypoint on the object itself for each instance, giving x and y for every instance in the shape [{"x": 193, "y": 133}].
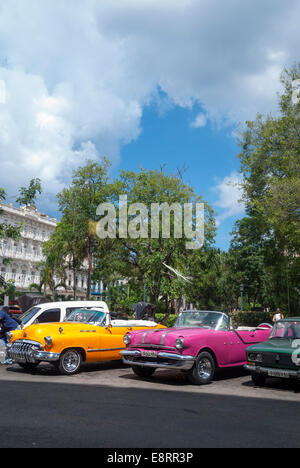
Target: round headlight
[
  {"x": 254, "y": 357},
  {"x": 127, "y": 339},
  {"x": 179, "y": 343}
]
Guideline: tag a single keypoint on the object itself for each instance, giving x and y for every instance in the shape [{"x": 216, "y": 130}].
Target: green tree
[
  {"x": 65, "y": 250},
  {"x": 142, "y": 259},
  {"x": 270, "y": 164},
  {"x": 78, "y": 204},
  {"x": 8, "y": 288},
  {"x": 29, "y": 194}
]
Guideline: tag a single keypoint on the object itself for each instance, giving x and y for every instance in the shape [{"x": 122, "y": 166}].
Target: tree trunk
[{"x": 90, "y": 270}]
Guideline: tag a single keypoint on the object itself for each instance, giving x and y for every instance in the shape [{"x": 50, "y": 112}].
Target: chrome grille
[
  {"x": 22, "y": 351},
  {"x": 278, "y": 360}
]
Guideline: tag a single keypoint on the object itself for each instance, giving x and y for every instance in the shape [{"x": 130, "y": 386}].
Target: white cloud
[
  {"x": 200, "y": 121},
  {"x": 229, "y": 200},
  {"x": 78, "y": 74}
]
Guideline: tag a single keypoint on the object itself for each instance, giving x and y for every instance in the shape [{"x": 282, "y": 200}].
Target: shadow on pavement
[
  {"x": 288, "y": 385},
  {"x": 66, "y": 415}
]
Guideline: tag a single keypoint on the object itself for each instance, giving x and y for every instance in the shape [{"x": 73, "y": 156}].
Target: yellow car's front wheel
[{"x": 69, "y": 362}]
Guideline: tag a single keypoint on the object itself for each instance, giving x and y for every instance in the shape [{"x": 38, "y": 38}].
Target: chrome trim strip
[
  {"x": 179, "y": 362},
  {"x": 178, "y": 357},
  {"x": 164, "y": 335},
  {"x": 163, "y": 338},
  {"x": 144, "y": 337},
  {"x": 46, "y": 356},
  {"x": 130, "y": 353},
  {"x": 265, "y": 370},
  {"x": 151, "y": 346},
  {"x": 35, "y": 343},
  {"x": 103, "y": 350}
]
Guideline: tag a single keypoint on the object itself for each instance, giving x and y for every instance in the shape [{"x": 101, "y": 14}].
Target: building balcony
[
  {"x": 21, "y": 254},
  {"x": 21, "y": 281}
]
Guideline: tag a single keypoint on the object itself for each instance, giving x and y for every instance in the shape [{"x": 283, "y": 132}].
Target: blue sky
[
  {"x": 208, "y": 154},
  {"x": 142, "y": 82}
]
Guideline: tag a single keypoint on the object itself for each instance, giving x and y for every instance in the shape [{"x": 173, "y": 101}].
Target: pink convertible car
[{"x": 199, "y": 343}]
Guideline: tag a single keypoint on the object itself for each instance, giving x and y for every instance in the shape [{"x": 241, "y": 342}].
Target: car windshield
[
  {"x": 29, "y": 314},
  {"x": 203, "y": 319},
  {"x": 93, "y": 317},
  {"x": 286, "y": 330}
]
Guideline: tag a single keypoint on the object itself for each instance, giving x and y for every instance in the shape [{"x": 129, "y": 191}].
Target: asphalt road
[{"x": 107, "y": 406}]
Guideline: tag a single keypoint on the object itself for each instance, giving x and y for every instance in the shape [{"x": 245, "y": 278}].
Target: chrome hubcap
[
  {"x": 71, "y": 361},
  {"x": 204, "y": 368}
]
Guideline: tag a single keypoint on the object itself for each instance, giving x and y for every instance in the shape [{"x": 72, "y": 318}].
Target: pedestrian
[
  {"x": 278, "y": 315},
  {"x": 7, "y": 324}
]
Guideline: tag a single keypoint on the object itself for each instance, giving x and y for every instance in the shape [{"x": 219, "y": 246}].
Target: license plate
[
  {"x": 281, "y": 374},
  {"x": 151, "y": 354}
]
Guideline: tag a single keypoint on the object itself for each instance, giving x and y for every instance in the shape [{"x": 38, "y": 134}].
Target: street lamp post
[
  {"x": 242, "y": 290},
  {"x": 144, "y": 281}
]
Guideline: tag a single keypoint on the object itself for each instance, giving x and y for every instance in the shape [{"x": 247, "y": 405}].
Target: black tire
[
  {"x": 28, "y": 366},
  {"x": 204, "y": 369},
  {"x": 259, "y": 380},
  {"x": 69, "y": 362},
  {"x": 143, "y": 371}
]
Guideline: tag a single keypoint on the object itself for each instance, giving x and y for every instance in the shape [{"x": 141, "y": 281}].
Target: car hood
[
  {"x": 38, "y": 332},
  {"x": 273, "y": 346},
  {"x": 167, "y": 337}
]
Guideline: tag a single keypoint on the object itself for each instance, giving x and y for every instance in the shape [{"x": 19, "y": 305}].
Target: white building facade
[{"x": 25, "y": 254}]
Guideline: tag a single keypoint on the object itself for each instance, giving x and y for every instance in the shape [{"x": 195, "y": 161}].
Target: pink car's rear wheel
[{"x": 204, "y": 369}]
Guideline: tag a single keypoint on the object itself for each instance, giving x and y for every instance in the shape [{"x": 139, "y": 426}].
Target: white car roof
[{"x": 79, "y": 304}]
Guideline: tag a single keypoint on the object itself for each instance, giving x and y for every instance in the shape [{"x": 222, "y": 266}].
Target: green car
[{"x": 279, "y": 356}]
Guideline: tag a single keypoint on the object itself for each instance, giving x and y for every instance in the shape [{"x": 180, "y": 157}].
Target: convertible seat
[{"x": 133, "y": 323}]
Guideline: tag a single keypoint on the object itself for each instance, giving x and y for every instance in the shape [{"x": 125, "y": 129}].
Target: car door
[
  {"x": 117, "y": 335},
  {"x": 236, "y": 348},
  {"x": 240, "y": 340},
  {"x": 102, "y": 344}
]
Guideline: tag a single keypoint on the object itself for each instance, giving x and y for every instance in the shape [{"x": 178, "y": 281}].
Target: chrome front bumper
[
  {"x": 164, "y": 360},
  {"x": 270, "y": 370},
  {"x": 29, "y": 352}
]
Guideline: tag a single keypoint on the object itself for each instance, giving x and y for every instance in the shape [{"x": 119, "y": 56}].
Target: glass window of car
[
  {"x": 286, "y": 330},
  {"x": 69, "y": 310},
  {"x": 27, "y": 316},
  {"x": 203, "y": 319},
  {"x": 49, "y": 316},
  {"x": 91, "y": 316}
]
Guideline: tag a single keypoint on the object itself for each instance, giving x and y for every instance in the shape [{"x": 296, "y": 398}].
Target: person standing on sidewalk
[{"x": 278, "y": 316}]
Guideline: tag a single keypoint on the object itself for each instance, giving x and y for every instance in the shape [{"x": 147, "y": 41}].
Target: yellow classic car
[{"x": 88, "y": 335}]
